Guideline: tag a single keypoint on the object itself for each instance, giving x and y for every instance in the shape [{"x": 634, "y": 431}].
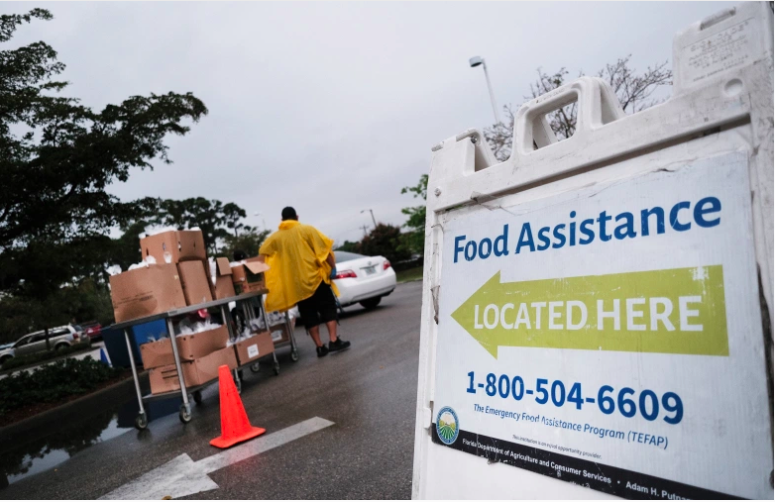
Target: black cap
[{"x": 289, "y": 214}]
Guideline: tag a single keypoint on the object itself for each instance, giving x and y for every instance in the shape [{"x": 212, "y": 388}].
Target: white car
[{"x": 363, "y": 279}]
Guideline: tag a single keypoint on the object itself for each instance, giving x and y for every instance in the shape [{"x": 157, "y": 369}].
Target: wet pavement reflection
[{"x": 26, "y": 458}]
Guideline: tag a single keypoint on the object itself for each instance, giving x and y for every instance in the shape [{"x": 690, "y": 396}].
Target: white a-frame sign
[{"x": 597, "y": 312}]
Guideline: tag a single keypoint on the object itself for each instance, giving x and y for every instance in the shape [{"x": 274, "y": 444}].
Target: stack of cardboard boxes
[
  {"x": 201, "y": 354},
  {"x": 233, "y": 279},
  {"x": 244, "y": 277},
  {"x": 180, "y": 277},
  {"x": 177, "y": 279},
  {"x": 223, "y": 287},
  {"x": 248, "y": 275}
]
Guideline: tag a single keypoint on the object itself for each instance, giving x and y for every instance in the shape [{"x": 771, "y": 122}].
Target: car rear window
[{"x": 342, "y": 256}]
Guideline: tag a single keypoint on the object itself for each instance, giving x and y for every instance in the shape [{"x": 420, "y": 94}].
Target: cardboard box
[
  {"x": 197, "y": 372},
  {"x": 252, "y": 348},
  {"x": 146, "y": 291},
  {"x": 196, "y": 285},
  {"x": 279, "y": 333},
  {"x": 174, "y": 246},
  {"x": 190, "y": 347},
  {"x": 223, "y": 287},
  {"x": 249, "y": 276}
]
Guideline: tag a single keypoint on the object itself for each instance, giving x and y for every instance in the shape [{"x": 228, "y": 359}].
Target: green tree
[
  {"x": 208, "y": 215},
  {"x": 248, "y": 241},
  {"x": 352, "y": 247},
  {"x": 384, "y": 240},
  {"x": 413, "y": 241},
  {"x": 633, "y": 89},
  {"x": 84, "y": 301},
  {"x": 219, "y": 222},
  {"x": 57, "y": 158}
]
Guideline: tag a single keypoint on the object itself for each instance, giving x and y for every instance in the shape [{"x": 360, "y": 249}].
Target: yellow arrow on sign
[{"x": 675, "y": 311}]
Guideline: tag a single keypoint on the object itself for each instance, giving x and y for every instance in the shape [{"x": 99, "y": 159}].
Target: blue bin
[
  {"x": 138, "y": 335},
  {"x": 116, "y": 346},
  {"x": 149, "y": 332}
]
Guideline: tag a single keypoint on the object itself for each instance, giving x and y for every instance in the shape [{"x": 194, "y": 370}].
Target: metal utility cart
[
  {"x": 289, "y": 340},
  {"x": 141, "y": 421}
]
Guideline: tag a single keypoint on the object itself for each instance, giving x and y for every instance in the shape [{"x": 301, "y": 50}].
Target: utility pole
[
  {"x": 365, "y": 229},
  {"x": 373, "y": 220}
]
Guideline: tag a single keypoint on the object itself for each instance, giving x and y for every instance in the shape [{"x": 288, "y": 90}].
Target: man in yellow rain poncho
[{"x": 301, "y": 259}]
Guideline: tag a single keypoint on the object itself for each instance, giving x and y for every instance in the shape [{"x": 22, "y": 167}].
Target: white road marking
[{"x": 182, "y": 476}]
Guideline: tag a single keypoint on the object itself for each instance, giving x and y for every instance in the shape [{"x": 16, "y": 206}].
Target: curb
[{"x": 119, "y": 391}]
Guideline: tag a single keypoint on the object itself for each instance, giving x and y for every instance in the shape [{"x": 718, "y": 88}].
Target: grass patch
[
  {"x": 411, "y": 274},
  {"x": 18, "y": 362},
  {"x": 54, "y": 382}
]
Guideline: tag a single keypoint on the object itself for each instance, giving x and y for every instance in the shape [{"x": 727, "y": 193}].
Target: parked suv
[{"x": 58, "y": 338}]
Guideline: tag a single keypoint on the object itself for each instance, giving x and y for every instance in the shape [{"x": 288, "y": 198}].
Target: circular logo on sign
[{"x": 447, "y": 425}]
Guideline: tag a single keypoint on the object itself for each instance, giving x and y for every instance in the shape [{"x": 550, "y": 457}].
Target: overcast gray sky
[{"x": 331, "y": 108}]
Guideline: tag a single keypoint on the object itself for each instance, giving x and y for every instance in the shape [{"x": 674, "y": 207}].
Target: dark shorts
[{"x": 318, "y": 308}]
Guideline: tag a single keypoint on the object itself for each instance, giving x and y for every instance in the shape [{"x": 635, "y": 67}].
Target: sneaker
[
  {"x": 339, "y": 344},
  {"x": 322, "y": 351}
]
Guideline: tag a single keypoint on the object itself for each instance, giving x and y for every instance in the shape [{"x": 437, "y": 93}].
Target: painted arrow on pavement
[
  {"x": 675, "y": 311},
  {"x": 182, "y": 476}
]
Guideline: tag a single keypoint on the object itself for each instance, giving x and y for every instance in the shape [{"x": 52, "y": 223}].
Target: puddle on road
[{"x": 51, "y": 450}]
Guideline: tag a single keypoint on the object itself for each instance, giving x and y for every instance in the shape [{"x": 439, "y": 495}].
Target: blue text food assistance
[{"x": 681, "y": 218}]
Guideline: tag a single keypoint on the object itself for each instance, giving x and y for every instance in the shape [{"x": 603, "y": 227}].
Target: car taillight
[
  {"x": 344, "y": 274},
  {"x": 386, "y": 265}
]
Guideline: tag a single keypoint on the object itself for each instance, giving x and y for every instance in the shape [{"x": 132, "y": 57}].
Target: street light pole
[
  {"x": 373, "y": 220},
  {"x": 262, "y": 218},
  {"x": 476, "y": 61}
]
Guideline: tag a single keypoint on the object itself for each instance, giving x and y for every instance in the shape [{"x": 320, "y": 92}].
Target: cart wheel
[
  {"x": 141, "y": 422},
  {"x": 239, "y": 386},
  {"x": 185, "y": 414},
  {"x": 276, "y": 368},
  {"x": 198, "y": 397},
  {"x": 294, "y": 355},
  {"x": 255, "y": 367}
]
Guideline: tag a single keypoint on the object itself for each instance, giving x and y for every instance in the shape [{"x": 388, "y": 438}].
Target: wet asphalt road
[{"x": 368, "y": 392}]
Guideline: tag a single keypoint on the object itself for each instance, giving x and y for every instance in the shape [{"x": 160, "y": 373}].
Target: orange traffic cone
[{"x": 235, "y": 427}]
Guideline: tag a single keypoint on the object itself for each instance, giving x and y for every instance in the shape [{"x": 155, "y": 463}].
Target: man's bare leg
[
  {"x": 315, "y": 334},
  {"x": 331, "y": 326}
]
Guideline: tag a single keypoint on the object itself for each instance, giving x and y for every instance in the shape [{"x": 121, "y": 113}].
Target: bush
[
  {"x": 20, "y": 361},
  {"x": 56, "y": 381}
]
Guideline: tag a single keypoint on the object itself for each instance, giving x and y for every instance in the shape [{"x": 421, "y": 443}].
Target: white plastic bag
[
  {"x": 148, "y": 261},
  {"x": 187, "y": 327}
]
